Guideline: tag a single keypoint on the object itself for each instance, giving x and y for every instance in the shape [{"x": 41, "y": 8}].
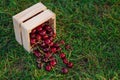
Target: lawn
[{"x": 91, "y": 27}]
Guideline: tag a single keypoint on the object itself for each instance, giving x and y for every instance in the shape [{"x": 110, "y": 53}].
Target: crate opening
[{"x": 43, "y": 34}]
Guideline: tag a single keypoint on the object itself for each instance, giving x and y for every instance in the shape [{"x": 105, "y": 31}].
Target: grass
[{"x": 92, "y": 27}]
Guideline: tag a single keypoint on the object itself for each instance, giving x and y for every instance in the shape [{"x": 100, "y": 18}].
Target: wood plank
[{"x": 24, "y": 15}]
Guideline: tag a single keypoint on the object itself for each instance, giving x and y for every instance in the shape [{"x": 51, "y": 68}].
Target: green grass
[{"x": 92, "y": 27}]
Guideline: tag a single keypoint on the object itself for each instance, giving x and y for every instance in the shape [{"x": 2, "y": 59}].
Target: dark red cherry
[
  {"x": 56, "y": 45},
  {"x": 38, "y": 37},
  {"x": 62, "y": 55},
  {"x": 43, "y": 45},
  {"x": 32, "y": 35},
  {"x": 45, "y": 37},
  {"x": 65, "y": 61},
  {"x": 46, "y": 49},
  {"x": 53, "y": 50},
  {"x": 42, "y": 33},
  {"x": 51, "y": 44},
  {"x": 59, "y": 49},
  {"x": 48, "y": 54},
  {"x": 47, "y": 41},
  {"x": 33, "y": 31},
  {"x": 53, "y": 62},
  {"x": 32, "y": 41},
  {"x": 64, "y": 70},
  {"x": 37, "y": 53},
  {"x": 51, "y": 38},
  {"x": 70, "y": 64},
  {"x": 39, "y": 28},
  {"x": 62, "y": 42},
  {"x": 48, "y": 68}
]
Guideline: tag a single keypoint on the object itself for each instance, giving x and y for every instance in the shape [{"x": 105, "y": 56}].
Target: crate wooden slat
[
  {"x": 24, "y": 16},
  {"x": 32, "y": 23}
]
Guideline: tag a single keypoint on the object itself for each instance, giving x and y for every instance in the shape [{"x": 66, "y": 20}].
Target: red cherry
[
  {"x": 47, "y": 41},
  {"x": 62, "y": 55},
  {"x": 39, "y": 28},
  {"x": 56, "y": 45},
  {"x": 53, "y": 62},
  {"x": 51, "y": 38},
  {"x": 38, "y": 37},
  {"x": 65, "y": 61},
  {"x": 47, "y": 55},
  {"x": 32, "y": 41},
  {"x": 59, "y": 49},
  {"x": 45, "y": 59},
  {"x": 32, "y": 35},
  {"x": 45, "y": 37},
  {"x": 62, "y": 42},
  {"x": 47, "y": 28},
  {"x": 37, "y": 53},
  {"x": 64, "y": 70},
  {"x": 42, "y": 33},
  {"x": 43, "y": 45},
  {"x": 33, "y": 31},
  {"x": 51, "y": 58},
  {"x": 53, "y": 50},
  {"x": 46, "y": 49},
  {"x": 68, "y": 47},
  {"x": 70, "y": 64},
  {"x": 48, "y": 68},
  {"x": 51, "y": 44}
]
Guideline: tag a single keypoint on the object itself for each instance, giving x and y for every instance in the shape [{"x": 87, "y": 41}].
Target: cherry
[
  {"x": 45, "y": 59},
  {"x": 48, "y": 68},
  {"x": 70, "y": 64},
  {"x": 59, "y": 49},
  {"x": 46, "y": 49},
  {"x": 51, "y": 33},
  {"x": 51, "y": 58},
  {"x": 53, "y": 50},
  {"x": 45, "y": 37},
  {"x": 51, "y": 44},
  {"x": 47, "y": 41},
  {"x": 68, "y": 47},
  {"x": 62, "y": 55},
  {"x": 47, "y": 55},
  {"x": 42, "y": 33},
  {"x": 32, "y": 35},
  {"x": 32, "y": 41},
  {"x": 47, "y": 28},
  {"x": 37, "y": 53},
  {"x": 40, "y": 65},
  {"x": 38, "y": 37},
  {"x": 53, "y": 62},
  {"x": 64, "y": 70},
  {"x": 39, "y": 28},
  {"x": 43, "y": 45},
  {"x": 51, "y": 38},
  {"x": 56, "y": 45},
  {"x": 62, "y": 42},
  {"x": 33, "y": 31},
  {"x": 65, "y": 61}
]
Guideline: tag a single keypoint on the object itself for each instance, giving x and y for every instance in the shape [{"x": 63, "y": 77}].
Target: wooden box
[{"x": 25, "y": 21}]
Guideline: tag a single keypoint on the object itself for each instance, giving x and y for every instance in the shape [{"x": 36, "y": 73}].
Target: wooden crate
[{"x": 25, "y": 21}]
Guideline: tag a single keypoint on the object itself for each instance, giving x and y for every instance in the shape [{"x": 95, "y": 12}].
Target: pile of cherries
[{"x": 42, "y": 40}]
